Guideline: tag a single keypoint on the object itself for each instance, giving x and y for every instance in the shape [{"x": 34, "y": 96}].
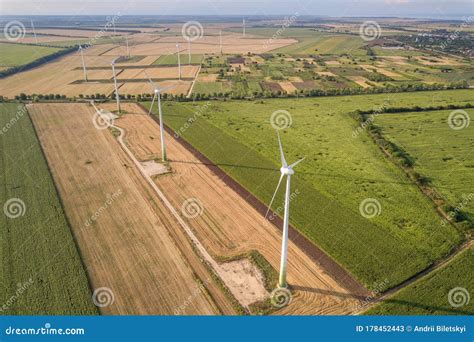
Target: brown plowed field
[
  {"x": 229, "y": 225},
  {"x": 128, "y": 240}
]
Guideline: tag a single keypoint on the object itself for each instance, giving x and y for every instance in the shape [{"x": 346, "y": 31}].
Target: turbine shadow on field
[
  {"x": 253, "y": 167},
  {"x": 394, "y": 301}
]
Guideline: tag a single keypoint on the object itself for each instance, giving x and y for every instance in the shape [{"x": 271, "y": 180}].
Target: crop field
[
  {"x": 441, "y": 153},
  {"x": 431, "y": 294},
  {"x": 304, "y": 60},
  {"x": 339, "y": 173},
  {"x": 16, "y": 54},
  {"x": 382, "y": 206},
  {"x": 39, "y": 259},
  {"x": 173, "y": 59},
  {"x": 228, "y": 226},
  {"x": 113, "y": 217}
]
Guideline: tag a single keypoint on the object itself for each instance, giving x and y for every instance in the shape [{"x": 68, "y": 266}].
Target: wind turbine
[
  {"x": 243, "y": 27},
  {"x": 128, "y": 49},
  {"x": 83, "y": 63},
  {"x": 115, "y": 83},
  {"x": 220, "y": 40},
  {"x": 34, "y": 31},
  {"x": 157, "y": 96},
  {"x": 179, "y": 62},
  {"x": 286, "y": 170},
  {"x": 189, "y": 51}
]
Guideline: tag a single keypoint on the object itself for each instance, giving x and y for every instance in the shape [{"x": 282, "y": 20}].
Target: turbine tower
[
  {"x": 83, "y": 63},
  {"x": 189, "y": 51},
  {"x": 243, "y": 27},
  {"x": 115, "y": 83},
  {"x": 128, "y": 49},
  {"x": 157, "y": 96},
  {"x": 285, "y": 170},
  {"x": 34, "y": 31},
  {"x": 220, "y": 40},
  {"x": 179, "y": 62}
]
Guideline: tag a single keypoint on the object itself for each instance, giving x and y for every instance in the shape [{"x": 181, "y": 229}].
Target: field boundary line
[{"x": 334, "y": 269}]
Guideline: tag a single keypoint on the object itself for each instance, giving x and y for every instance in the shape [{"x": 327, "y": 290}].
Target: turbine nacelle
[{"x": 287, "y": 171}]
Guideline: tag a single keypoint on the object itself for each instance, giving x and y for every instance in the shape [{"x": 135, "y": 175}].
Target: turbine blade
[
  {"x": 282, "y": 155},
  {"x": 152, "y": 103},
  {"x": 149, "y": 79},
  {"x": 296, "y": 163},
  {"x": 273, "y": 198},
  {"x": 166, "y": 88}
]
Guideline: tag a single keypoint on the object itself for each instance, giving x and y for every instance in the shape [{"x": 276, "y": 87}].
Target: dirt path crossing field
[{"x": 228, "y": 226}]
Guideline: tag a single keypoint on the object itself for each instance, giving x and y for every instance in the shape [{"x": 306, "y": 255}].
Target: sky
[{"x": 336, "y": 8}]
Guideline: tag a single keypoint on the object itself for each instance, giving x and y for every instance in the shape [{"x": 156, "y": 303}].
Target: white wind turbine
[
  {"x": 286, "y": 170},
  {"x": 189, "y": 51},
  {"x": 220, "y": 40},
  {"x": 128, "y": 49},
  {"x": 157, "y": 96},
  {"x": 117, "y": 96},
  {"x": 34, "y": 31},
  {"x": 83, "y": 63},
  {"x": 179, "y": 62},
  {"x": 243, "y": 27}
]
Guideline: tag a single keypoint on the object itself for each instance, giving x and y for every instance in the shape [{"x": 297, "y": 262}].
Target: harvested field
[
  {"x": 119, "y": 226},
  {"x": 271, "y": 86},
  {"x": 433, "y": 61},
  {"x": 226, "y": 231},
  {"x": 76, "y": 33},
  {"x": 147, "y": 60},
  {"x": 326, "y": 73},
  {"x": 207, "y": 77},
  {"x": 288, "y": 87},
  {"x": 304, "y": 85},
  {"x": 362, "y": 81},
  {"x": 208, "y": 44},
  {"x": 180, "y": 87},
  {"x": 56, "y": 77}
]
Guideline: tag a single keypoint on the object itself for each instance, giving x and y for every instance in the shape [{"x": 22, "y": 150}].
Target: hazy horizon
[{"x": 435, "y": 9}]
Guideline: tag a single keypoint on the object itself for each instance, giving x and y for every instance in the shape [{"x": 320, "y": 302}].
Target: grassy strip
[{"x": 41, "y": 271}]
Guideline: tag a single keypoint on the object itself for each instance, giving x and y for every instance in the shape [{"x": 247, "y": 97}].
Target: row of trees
[
  {"x": 415, "y": 109},
  {"x": 266, "y": 94}
]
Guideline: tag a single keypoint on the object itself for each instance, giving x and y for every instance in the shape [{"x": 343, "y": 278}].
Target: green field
[
  {"x": 17, "y": 54},
  {"x": 430, "y": 294},
  {"x": 41, "y": 271},
  {"x": 212, "y": 87},
  {"x": 173, "y": 59},
  {"x": 339, "y": 172},
  {"x": 440, "y": 152}
]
